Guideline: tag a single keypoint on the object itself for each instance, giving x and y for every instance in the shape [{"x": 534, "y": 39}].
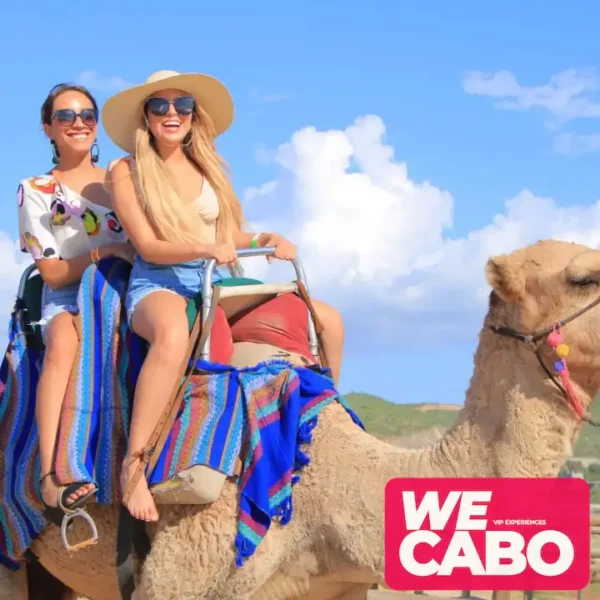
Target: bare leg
[
  {"x": 61, "y": 349},
  {"x": 161, "y": 320},
  {"x": 332, "y": 336}
]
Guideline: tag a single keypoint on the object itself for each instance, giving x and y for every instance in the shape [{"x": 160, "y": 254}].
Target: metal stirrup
[{"x": 65, "y": 523}]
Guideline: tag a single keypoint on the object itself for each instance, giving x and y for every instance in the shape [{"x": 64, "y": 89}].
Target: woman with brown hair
[{"x": 66, "y": 222}]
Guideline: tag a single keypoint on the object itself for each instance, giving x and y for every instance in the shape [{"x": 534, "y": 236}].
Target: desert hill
[{"x": 418, "y": 425}]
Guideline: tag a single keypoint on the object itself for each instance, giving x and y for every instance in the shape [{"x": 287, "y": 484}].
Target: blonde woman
[{"x": 178, "y": 208}]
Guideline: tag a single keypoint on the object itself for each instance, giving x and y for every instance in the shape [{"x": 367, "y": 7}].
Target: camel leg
[{"x": 13, "y": 584}]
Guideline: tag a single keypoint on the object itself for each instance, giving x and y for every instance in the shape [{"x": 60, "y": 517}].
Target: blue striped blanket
[{"x": 269, "y": 409}]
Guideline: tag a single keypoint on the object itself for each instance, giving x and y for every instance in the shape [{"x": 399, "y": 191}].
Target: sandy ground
[{"x": 426, "y": 407}]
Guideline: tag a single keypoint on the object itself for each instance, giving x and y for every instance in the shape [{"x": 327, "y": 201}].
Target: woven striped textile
[
  {"x": 21, "y": 517},
  {"x": 269, "y": 409}
]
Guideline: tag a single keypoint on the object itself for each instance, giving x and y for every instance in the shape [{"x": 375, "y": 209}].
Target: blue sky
[{"x": 323, "y": 65}]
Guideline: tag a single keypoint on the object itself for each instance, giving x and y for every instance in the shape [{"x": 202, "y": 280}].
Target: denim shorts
[
  {"x": 55, "y": 302},
  {"x": 185, "y": 279}
]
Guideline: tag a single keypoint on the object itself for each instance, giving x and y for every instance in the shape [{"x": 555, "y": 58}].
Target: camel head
[{"x": 544, "y": 284}]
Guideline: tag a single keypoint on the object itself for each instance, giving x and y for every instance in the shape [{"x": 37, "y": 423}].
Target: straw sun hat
[{"x": 120, "y": 112}]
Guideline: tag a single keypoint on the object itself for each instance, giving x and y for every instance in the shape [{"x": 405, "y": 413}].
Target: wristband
[
  {"x": 254, "y": 242},
  {"x": 95, "y": 255}
]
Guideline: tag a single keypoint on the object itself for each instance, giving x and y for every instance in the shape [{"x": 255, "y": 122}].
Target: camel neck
[
  {"x": 528, "y": 423},
  {"x": 514, "y": 423}
]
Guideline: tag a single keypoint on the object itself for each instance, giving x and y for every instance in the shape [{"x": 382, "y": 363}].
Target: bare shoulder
[
  {"x": 123, "y": 190},
  {"x": 121, "y": 167},
  {"x": 118, "y": 177}
]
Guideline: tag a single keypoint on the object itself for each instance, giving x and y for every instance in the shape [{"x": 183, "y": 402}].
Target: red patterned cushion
[
  {"x": 221, "y": 343},
  {"x": 281, "y": 322}
]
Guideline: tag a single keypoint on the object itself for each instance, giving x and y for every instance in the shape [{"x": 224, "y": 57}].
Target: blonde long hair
[{"x": 173, "y": 219}]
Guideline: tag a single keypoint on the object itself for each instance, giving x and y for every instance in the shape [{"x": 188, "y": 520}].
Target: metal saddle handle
[{"x": 207, "y": 294}]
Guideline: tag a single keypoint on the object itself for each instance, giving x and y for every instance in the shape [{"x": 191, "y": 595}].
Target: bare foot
[
  {"x": 50, "y": 492},
  {"x": 141, "y": 503}
]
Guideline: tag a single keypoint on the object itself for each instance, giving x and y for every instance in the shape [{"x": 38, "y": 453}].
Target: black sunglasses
[
  {"x": 67, "y": 117},
  {"x": 184, "y": 105}
]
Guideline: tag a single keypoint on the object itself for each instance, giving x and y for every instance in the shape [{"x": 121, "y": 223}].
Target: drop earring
[
  {"x": 95, "y": 155},
  {"x": 55, "y": 153}
]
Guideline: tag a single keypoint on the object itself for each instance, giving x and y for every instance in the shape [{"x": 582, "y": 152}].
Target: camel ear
[{"x": 506, "y": 278}]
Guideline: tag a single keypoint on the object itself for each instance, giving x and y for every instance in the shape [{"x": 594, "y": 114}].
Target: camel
[{"x": 515, "y": 422}]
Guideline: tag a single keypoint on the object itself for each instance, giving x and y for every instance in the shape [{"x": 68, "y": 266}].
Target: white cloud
[
  {"x": 265, "y": 188},
  {"x": 96, "y": 82},
  {"x": 375, "y": 242},
  {"x": 567, "y": 95}
]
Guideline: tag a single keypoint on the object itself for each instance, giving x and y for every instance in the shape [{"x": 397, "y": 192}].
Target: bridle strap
[{"x": 534, "y": 338}]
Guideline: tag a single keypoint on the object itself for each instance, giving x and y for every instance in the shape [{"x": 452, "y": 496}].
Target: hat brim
[{"x": 120, "y": 113}]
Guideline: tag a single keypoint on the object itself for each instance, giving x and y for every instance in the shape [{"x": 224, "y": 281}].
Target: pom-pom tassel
[{"x": 571, "y": 395}]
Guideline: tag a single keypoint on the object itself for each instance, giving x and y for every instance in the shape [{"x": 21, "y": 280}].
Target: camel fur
[{"x": 514, "y": 422}]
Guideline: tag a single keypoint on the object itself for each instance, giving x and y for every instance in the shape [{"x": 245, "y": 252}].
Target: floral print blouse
[{"x": 57, "y": 222}]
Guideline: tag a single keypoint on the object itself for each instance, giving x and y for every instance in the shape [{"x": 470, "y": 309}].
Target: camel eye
[{"x": 583, "y": 281}]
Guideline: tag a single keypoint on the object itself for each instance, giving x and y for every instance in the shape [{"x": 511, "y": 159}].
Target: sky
[{"x": 398, "y": 144}]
